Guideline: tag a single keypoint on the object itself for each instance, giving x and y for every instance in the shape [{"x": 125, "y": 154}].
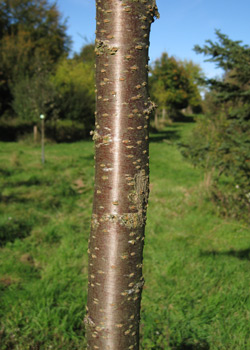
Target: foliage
[
  {"x": 35, "y": 95},
  {"x": 66, "y": 130},
  {"x": 31, "y": 31},
  {"x": 13, "y": 129},
  {"x": 195, "y": 79},
  {"x": 221, "y": 140},
  {"x": 66, "y": 97},
  {"x": 55, "y": 130},
  {"x": 196, "y": 265},
  {"x": 87, "y": 54},
  {"x": 74, "y": 81},
  {"x": 37, "y": 78},
  {"x": 174, "y": 84}
]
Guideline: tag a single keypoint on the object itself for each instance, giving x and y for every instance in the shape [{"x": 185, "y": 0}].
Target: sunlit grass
[{"x": 196, "y": 264}]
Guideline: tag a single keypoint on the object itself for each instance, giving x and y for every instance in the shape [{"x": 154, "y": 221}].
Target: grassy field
[{"x": 196, "y": 265}]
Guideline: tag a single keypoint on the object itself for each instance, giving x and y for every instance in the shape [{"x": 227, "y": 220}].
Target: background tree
[
  {"x": 174, "y": 84},
  {"x": 35, "y": 95},
  {"x": 122, "y": 174},
  {"x": 196, "y": 84},
  {"x": 221, "y": 139},
  {"x": 87, "y": 54},
  {"x": 31, "y": 31},
  {"x": 74, "y": 80}
]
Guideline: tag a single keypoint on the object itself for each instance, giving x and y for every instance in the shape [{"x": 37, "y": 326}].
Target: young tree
[
  {"x": 35, "y": 96},
  {"x": 122, "y": 173}
]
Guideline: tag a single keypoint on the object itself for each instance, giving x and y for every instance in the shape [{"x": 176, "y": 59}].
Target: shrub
[
  {"x": 12, "y": 129},
  {"x": 220, "y": 142},
  {"x": 66, "y": 130}
]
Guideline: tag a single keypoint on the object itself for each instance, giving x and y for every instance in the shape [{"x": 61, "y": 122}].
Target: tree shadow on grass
[
  {"x": 12, "y": 229},
  {"x": 33, "y": 181},
  {"x": 161, "y": 136},
  {"x": 6, "y": 172},
  {"x": 181, "y": 118},
  {"x": 187, "y": 345},
  {"x": 243, "y": 254},
  {"x": 13, "y": 198},
  {"x": 89, "y": 157}
]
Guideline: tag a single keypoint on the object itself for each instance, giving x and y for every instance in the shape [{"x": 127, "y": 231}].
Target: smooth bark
[{"x": 121, "y": 138}]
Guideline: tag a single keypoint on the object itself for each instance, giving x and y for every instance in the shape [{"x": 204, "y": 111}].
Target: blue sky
[{"x": 183, "y": 23}]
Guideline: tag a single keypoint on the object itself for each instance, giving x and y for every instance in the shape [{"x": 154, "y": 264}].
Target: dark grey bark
[{"x": 121, "y": 137}]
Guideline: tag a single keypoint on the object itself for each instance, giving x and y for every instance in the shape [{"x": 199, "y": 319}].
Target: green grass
[{"x": 196, "y": 264}]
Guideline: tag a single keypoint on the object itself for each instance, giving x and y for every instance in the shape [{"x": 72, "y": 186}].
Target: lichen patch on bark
[{"x": 141, "y": 189}]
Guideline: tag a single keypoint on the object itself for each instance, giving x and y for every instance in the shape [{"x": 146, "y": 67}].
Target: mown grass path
[{"x": 196, "y": 266}]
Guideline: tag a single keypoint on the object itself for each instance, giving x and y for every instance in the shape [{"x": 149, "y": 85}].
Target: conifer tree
[{"x": 121, "y": 192}]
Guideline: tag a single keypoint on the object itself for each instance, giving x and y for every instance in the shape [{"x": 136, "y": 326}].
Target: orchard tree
[
  {"x": 34, "y": 96},
  {"x": 121, "y": 192},
  {"x": 196, "y": 83},
  {"x": 174, "y": 84},
  {"x": 74, "y": 81}
]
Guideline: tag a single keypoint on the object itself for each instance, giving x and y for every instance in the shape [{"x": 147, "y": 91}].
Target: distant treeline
[{"x": 38, "y": 77}]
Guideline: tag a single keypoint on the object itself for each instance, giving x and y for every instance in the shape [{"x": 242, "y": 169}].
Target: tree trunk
[
  {"x": 35, "y": 133},
  {"x": 156, "y": 120},
  {"x": 123, "y": 109},
  {"x": 164, "y": 113}
]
